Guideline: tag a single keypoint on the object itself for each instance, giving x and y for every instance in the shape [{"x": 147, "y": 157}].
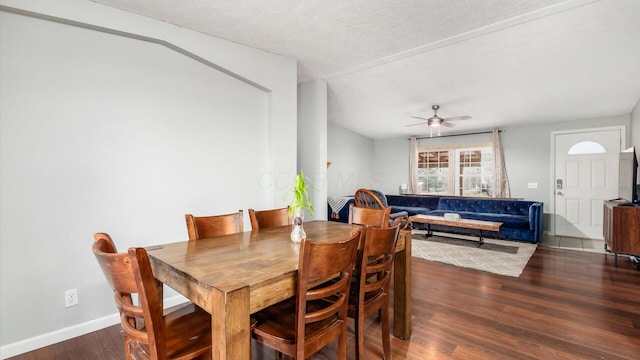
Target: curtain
[
  {"x": 413, "y": 165},
  {"x": 501, "y": 188}
]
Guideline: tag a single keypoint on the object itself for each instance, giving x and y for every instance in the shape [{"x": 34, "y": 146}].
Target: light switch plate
[{"x": 532, "y": 185}]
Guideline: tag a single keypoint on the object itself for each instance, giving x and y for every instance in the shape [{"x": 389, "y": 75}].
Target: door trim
[{"x": 552, "y": 162}]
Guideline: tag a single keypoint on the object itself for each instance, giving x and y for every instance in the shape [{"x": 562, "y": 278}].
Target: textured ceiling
[{"x": 504, "y": 62}]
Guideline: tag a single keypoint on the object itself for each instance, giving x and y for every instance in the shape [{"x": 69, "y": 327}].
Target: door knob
[{"x": 559, "y": 192}]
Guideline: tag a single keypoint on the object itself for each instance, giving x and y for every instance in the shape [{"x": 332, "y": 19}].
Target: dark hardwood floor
[{"x": 565, "y": 305}]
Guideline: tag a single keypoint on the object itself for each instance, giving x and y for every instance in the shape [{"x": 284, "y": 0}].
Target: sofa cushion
[
  {"x": 513, "y": 207},
  {"x": 411, "y": 210},
  {"x": 415, "y": 201},
  {"x": 507, "y": 220}
]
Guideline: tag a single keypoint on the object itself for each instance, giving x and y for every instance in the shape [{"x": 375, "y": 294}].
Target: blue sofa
[{"x": 521, "y": 220}]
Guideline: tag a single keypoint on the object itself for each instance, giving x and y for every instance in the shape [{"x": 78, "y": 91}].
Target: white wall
[
  {"x": 391, "y": 165},
  {"x": 635, "y": 127},
  {"x": 312, "y": 137},
  {"x": 352, "y": 157},
  {"x": 102, "y": 131}
]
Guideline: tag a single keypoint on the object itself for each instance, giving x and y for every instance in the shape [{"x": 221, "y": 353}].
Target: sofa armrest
[
  {"x": 404, "y": 223},
  {"x": 535, "y": 219},
  {"x": 341, "y": 205},
  {"x": 398, "y": 214}
]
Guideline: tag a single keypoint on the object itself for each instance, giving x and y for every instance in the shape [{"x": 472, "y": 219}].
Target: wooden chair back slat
[
  {"x": 199, "y": 227},
  {"x": 266, "y": 219},
  {"x": 368, "y": 216}
]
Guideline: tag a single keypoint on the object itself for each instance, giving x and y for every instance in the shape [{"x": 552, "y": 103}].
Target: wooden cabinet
[{"x": 622, "y": 227}]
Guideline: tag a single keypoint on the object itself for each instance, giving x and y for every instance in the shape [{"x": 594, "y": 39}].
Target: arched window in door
[{"x": 587, "y": 147}]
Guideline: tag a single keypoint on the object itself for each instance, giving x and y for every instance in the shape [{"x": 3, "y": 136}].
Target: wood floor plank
[{"x": 565, "y": 305}]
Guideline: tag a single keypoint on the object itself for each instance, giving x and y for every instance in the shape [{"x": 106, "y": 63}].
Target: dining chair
[
  {"x": 300, "y": 326},
  {"x": 265, "y": 219},
  {"x": 370, "y": 291},
  {"x": 375, "y": 199},
  {"x": 199, "y": 227},
  {"x": 184, "y": 333},
  {"x": 368, "y": 216}
]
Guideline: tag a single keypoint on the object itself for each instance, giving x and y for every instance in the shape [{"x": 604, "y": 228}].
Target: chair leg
[
  {"x": 359, "y": 324},
  {"x": 386, "y": 340},
  {"x": 342, "y": 342},
  {"x": 127, "y": 349}
]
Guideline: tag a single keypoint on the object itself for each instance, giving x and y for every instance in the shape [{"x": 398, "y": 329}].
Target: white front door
[{"x": 586, "y": 174}]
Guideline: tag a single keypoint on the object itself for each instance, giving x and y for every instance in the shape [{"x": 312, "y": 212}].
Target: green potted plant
[{"x": 301, "y": 201}]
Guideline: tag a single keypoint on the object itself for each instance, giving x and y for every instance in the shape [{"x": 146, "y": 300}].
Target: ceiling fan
[{"x": 437, "y": 121}]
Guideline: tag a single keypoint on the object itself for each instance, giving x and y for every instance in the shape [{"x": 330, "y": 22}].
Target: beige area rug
[{"x": 496, "y": 256}]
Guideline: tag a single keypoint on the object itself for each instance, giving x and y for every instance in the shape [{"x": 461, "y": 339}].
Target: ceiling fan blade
[
  {"x": 458, "y": 118},
  {"x": 416, "y": 124},
  {"x": 447, "y": 124},
  {"x": 418, "y": 117}
]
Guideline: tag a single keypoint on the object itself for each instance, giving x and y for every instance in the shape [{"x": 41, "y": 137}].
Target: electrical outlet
[{"x": 71, "y": 297}]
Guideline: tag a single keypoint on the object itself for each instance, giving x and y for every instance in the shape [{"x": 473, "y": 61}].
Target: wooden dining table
[{"x": 234, "y": 276}]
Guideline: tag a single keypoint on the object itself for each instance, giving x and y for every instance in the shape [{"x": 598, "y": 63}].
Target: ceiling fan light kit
[
  {"x": 437, "y": 121},
  {"x": 431, "y": 129}
]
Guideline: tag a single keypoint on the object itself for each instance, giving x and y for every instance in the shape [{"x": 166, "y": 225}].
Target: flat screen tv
[{"x": 628, "y": 176}]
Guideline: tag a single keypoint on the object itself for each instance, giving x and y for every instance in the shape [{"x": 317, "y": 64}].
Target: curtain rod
[{"x": 441, "y": 136}]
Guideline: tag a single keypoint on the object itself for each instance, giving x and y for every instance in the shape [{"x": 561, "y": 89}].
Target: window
[
  {"x": 433, "y": 172},
  {"x": 587, "y": 147},
  {"x": 465, "y": 170}
]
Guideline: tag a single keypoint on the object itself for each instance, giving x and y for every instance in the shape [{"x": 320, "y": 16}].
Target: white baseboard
[{"x": 63, "y": 334}]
